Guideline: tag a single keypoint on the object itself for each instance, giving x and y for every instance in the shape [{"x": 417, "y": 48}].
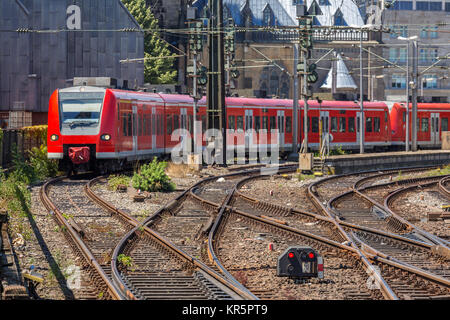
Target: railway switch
[{"x": 300, "y": 263}]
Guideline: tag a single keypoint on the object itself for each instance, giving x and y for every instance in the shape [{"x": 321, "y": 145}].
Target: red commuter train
[{"x": 105, "y": 128}]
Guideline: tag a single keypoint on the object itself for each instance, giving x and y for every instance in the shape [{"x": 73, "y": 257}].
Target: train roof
[{"x": 432, "y": 106}]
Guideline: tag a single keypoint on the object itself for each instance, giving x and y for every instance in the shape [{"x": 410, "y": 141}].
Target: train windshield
[{"x": 80, "y": 112}]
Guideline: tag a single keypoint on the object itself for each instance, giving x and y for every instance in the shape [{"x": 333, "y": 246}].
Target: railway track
[
  {"x": 168, "y": 253},
  {"x": 166, "y": 258}
]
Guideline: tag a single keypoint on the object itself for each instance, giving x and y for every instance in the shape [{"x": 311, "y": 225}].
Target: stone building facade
[
  {"x": 67, "y": 42},
  {"x": 427, "y": 21}
]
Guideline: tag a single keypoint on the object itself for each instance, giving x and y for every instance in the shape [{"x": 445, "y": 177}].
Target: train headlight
[
  {"x": 106, "y": 137},
  {"x": 54, "y": 137}
]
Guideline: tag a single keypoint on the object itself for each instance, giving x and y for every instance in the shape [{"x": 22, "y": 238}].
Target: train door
[
  {"x": 135, "y": 130},
  {"x": 434, "y": 133},
  {"x": 248, "y": 129},
  {"x": 183, "y": 123},
  {"x": 358, "y": 127},
  {"x": 280, "y": 122},
  {"x": 153, "y": 126},
  {"x": 325, "y": 118}
]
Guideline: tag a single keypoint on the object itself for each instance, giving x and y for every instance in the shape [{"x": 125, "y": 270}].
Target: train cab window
[
  {"x": 425, "y": 124},
  {"x": 334, "y": 124},
  {"x": 257, "y": 123},
  {"x": 376, "y": 124},
  {"x": 273, "y": 124},
  {"x": 265, "y": 122},
  {"x": 169, "y": 124},
  {"x": 342, "y": 124},
  {"x": 288, "y": 124},
  {"x": 176, "y": 122},
  {"x": 315, "y": 124},
  {"x": 351, "y": 124},
  {"x": 444, "y": 124},
  {"x": 232, "y": 122},
  {"x": 240, "y": 123},
  {"x": 369, "y": 124}
]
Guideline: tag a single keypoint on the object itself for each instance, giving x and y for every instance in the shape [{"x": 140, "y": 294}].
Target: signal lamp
[
  {"x": 311, "y": 255},
  {"x": 105, "y": 137},
  {"x": 291, "y": 255},
  {"x": 54, "y": 137}
]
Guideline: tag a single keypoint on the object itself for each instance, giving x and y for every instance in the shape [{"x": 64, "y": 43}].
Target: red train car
[
  {"x": 104, "y": 128},
  {"x": 432, "y": 120}
]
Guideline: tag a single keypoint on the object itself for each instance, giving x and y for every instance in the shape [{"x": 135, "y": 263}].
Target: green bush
[
  {"x": 115, "y": 180},
  {"x": 152, "y": 177},
  {"x": 41, "y": 164}
]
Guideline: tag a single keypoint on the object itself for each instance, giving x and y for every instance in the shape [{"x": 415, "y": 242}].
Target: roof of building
[
  {"x": 284, "y": 11},
  {"x": 343, "y": 79}
]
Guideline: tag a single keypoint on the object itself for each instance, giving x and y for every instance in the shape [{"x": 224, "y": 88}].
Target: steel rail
[
  {"x": 79, "y": 243},
  {"x": 404, "y": 222},
  {"x": 395, "y": 194},
  {"x": 142, "y": 227},
  {"x": 387, "y": 291}
]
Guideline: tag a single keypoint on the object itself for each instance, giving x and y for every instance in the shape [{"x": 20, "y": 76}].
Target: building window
[
  {"x": 267, "y": 16},
  {"x": 339, "y": 19},
  {"x": 428, "y": 55},
  {"x": 324, "y": 2},
  {"x": 435, "y": 6},
  {"x": 429, "y": 32},
  {"x": 447, "y": 7},
  {"x": 398, "y": 81},
  {"x": 399, "y": 31},
  {"x": 422, "y": 5},
  {"x": 406, "y": 5},
  {"x": 429, "y": 81}
]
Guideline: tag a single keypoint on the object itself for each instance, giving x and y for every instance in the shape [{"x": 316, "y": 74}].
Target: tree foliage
[{"x": 156, "y": 71}]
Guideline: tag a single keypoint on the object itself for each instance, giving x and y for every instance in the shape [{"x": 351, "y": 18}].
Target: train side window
[
  {"x": 334, "y": 124},
  {"x": 231, "y": 122},
  {"x": 418, "y": 124},
  {"x": 191, "y": 124},
  {"x": 176, "y": 122},
  {"x": 309, "y": 124},
  {"x": 342, "y": 124},
  {"x": 265, "y": 123},
  {"x": 425, "y": 124},
  {"x": 257, "y": 123},
  {"x": 358, "y": 123},
  {"x": 144, "y": 124},
  {"x": 444, "y": 124},
  {"x": 169, "y": 124},
  {"x": 203, "y": 124},
  {"x": 288, "y": 124},
  {"x": 125, "y": 125},
  {"x": 404, "y": 116},
  {"x": 351, "y": 124},
  {"x": 315, "y": 124},
  {"x": 130, "y": 125},
  {"x": 385, "y": 117},
  {"x": 273, "y": 125},
  {"x": 153, "y": 124},
  {"x": 140, "y": 124},
  {"x": 376, "y": 124},
  {"x": 240, "y": 123},
  {"x": 368, "y": 124}
]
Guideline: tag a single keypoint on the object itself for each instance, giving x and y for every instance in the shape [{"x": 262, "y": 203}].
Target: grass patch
[{"x": 115, "y": 180}]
